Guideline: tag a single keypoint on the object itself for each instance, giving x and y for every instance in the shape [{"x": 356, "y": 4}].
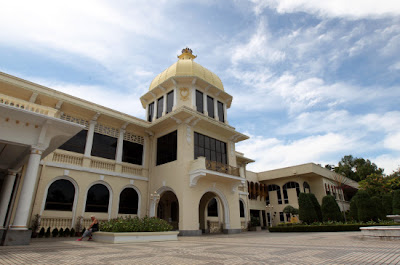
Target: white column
[
  {"x": 225, "y": 114},
  {"x": 89, "y": 139},
  {"x": 154, "y": 199},
  {"x": 205, "y": 109},
  {"x": 155, "y": 110},
  {"x": 194, "y": 97},
  {"x": 27, "y": 190},
  {"x": 5, "y": 195},
  {"x": 147, "y": 112},
  {"x": 175, "y": 99},
  {"x": 216, "y": 109},
  {"x": 164, "y": 105},
  {"x": 120, "y": 146}
]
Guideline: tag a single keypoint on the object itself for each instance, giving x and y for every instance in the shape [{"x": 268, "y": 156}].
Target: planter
[{"x": 132, "y": 237}]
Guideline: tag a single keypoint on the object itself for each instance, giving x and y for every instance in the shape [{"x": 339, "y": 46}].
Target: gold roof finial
[{"x": 187, "y": 54}]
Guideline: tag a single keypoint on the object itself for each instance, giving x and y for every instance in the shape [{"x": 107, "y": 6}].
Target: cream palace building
[{"x": 65, "y": 158}]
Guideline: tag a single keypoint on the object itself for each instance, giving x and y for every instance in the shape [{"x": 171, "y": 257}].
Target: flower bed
[{"x": 127, "y": 230}]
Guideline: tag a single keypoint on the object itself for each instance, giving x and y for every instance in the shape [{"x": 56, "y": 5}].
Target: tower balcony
[{"x": 201, "y": 168}]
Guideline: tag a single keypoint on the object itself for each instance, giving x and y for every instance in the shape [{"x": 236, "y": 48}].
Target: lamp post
[{"x": 269, "y": 207}]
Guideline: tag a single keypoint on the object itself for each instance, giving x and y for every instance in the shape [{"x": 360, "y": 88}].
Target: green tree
[
  {"x": 396, "y": 202},
  {"x": 357, "y": 169},
  {"x": 354, "y": 209},
  {"x": 330, "y": 209},
  {"x": 387, "y": 203},
  {"x": 290, "y": 210},
  {"x": 307, "y": 212},
  {"x": 316, "y": 205}
]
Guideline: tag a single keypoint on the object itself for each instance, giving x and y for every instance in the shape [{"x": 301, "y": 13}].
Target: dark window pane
[
  {"x": 201, "y": 140},
  {"x": 97, "y": 199},
  {"x": 128, "y": 201},
  {"x": 77, "y": 143},
  {"x": 150, "y": 112},
  {"x": 212, "y": 144},
  {"x": 221, "y": 111},
  {"x": 167, "y": 148},
  {"x": 60, "y": 196},
  {"x": 212, "y": 208},
  {"x": 281, "y": 217},
  {"x": 214, "y": 150},
  {"x": 170, "y": 101},
  {"x": 199, "y": 101},
  {"x": 104, "y": 146},
  {"x": 210, "y": 106},
  {"x": 132, "y": 153},
  {"x": 160, "y": 107},
  {"x": 241, "y": 208}
]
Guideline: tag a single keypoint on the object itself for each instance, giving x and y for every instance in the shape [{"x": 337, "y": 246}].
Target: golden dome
[{"x": 186, "y": 67}]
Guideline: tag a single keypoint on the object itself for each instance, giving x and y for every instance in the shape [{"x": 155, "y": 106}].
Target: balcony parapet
[
  {"x": 201, "y": 167},
  {"x": 28, "y": 106},
  {"x": 71, "y": 160}
]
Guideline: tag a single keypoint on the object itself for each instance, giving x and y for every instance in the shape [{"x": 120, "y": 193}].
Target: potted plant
[
  {"x": 35, "y": 225},
  {"x": 255, "y": 224},
  {"x": 78, "y": 225}
]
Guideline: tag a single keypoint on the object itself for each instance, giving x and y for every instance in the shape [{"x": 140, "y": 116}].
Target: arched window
[
  {"x": 274, "y": 187},
  {"x": 128, "y": 201},
  {"x": 306, "y": 187},
  {"x": 60, "y": 196},
  {"x": 241, "y": 208},
  {"x": 97, "y": 199},
  {"x": 290, "y": 185},
  {"x": 212, "y": 208}
]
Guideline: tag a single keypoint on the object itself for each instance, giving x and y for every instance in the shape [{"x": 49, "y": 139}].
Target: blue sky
[{"x": 312, "y": 80}]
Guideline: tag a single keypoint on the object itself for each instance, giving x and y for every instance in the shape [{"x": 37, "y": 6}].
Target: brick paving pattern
[{"x": 245, "y": 248}]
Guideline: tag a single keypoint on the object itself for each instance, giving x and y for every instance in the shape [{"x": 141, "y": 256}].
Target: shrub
[
  {"x": 365, "y": 211},
  {"x": 47, "y": 234},
  {"x": 387, "y": 203},
  {"x": 290, "y": 210},
  {"x": 396, "y": 202},
  {"x": 61, "y": 232},
  {"x": 66, "y": 232},
  {"x": 54, "y": 232},
  {"x": 379, "y": 212},
  {"x": 41, "y": 232},
  {"x": 307, "y": 212},
  {"x": 72, "y": 233},
  {"x": 254, "y": 221},
  {"x": 135, "y": 224},
  {"x": 316, "y": 205},
  {"x": 330, "y": 209}
]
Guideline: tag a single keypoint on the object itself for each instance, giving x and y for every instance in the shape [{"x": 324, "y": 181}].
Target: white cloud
[
  {"x": 337, "y": 8},
  {"x": 390, "y": 162},
  {"x": 272, "y": 153},
  {"x": 260, "y": 47},
  {"x": 392, "y": 141}
]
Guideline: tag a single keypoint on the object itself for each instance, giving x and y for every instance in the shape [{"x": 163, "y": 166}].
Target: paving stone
[{"x": 245, "y": 248}]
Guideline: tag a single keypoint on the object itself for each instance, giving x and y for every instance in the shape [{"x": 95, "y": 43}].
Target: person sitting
[{"x": 92, "y": 228}]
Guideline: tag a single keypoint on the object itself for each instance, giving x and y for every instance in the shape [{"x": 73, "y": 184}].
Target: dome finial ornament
[{"x": 187, "y": 54}]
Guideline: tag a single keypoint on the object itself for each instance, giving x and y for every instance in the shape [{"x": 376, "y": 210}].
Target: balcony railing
[
  {"x": 222, "y": 168},
  {"x": 25, "y": 105}
]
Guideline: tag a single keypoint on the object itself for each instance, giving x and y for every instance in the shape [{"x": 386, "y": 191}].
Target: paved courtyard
[{"x": 244, "y": 248}]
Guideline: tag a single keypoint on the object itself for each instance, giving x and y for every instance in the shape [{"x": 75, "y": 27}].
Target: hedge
[
  {"x": 323, "y": 228},
  {"x": 128, "y": 224}
]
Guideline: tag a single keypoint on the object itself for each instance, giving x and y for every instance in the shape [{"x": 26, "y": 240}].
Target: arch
[
  {"x": 242, "y": 204},
  {"x": 60, "y": 196},
  {"x": 76, "y": 186},
  {"x": 138, "y": 194},
  {"x": 168, "y": 206},
  {"x": 290, "y": 185},
  {"x": 224, "y": 203},
  {"x": 109, "y": 198},
  {"x": 306, "y": 186},
  {"x": 274, "y": 187}
]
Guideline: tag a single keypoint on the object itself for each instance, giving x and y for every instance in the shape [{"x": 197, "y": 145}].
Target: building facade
[{"x": 64, "y": 159}]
